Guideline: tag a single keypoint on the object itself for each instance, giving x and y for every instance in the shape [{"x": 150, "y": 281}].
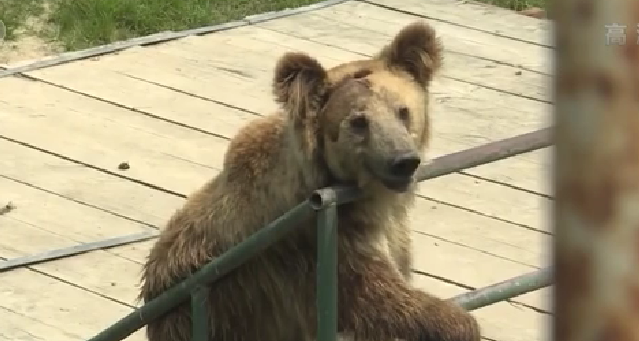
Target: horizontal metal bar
[
  {"x": 486, "y": 153},
  {"x": 213, "y": 270},
  {"x": 447, "y": 164},
  {"x": 505, "y": 290},
  {"x": 75, "y": 249}
]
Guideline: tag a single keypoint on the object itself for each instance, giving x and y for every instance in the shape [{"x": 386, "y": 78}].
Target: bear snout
[{"x": 404, "y": 165}]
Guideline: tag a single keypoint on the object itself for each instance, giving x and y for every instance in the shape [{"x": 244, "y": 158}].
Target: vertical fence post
[
  {"x": 199, "y": 314},
  {"x": 327, "y": 274},
  {"x": 597, "y": 170}
]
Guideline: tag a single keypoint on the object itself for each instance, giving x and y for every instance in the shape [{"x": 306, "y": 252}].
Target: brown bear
[{"x": 364, "y": 123}]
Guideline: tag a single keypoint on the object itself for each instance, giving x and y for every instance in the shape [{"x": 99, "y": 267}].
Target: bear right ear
[
  {"x": 417, "y": 50},
  {"x": 299, "y": 84}
]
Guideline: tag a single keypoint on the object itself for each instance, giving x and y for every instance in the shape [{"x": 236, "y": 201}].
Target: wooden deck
[{"x": 169, "y": 110}]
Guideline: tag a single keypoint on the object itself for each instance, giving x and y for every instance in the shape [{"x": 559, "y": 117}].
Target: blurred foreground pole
[{"x": 597, "y": 170}]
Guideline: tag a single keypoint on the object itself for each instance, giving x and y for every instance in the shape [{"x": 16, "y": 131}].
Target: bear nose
[{"x": 405, "y": 165}]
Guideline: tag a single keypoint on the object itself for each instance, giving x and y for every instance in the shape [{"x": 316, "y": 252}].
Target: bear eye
[
  {"x": 403, "y": 113},
  {"x": 359, "y": 123}
]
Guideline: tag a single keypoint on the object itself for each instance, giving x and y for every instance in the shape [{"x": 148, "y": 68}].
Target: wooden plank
[
  {"x": 110, "y": 275},
  {"x": 470, "y": 267},
  {"x": 42, "y": 220},
  {"x": 343, "y": 21},
  {"x": 174, "y": 181},
  {"x": 481, "y": 233},
  {"x": 479, "y": 16},
  {"x": 493, "y": 200},
  {"x": 20, "y": 327},
  {"x": 77, "y": 312},
  {"x": 96, "y": 79},
  {"x": 531, "y": 171},
  {"x": 38, "y": 210},
  {"x": 104, "y": 135},
  {"x": 45, "y": 220},
  {"x": 153, "y": 99},
  {"x": 85, "y": 185}
]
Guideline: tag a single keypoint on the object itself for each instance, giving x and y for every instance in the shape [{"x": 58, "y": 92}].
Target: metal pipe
[
  {"x": 505, "y": 290},
  {"x": 327, "y": 274},
  {"x": 209, "y": 273},
  {"x": 596, "y": 173},
  {"x": 200, "y": 314},
  {"x": 450, "y": 163}
]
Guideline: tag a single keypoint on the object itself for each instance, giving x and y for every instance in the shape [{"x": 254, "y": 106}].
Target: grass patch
[
  {"x": 86, "y": 23},
  {"x": 518, "y": 5},
  {"x": 14, "y": 15}
]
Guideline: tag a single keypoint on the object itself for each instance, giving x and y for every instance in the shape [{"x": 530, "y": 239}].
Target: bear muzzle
[
  {"x": 400, "y": 171},
  {"x": 404, "y": 165}
]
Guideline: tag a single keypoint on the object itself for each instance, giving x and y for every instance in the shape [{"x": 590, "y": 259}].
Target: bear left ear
[
  {"x": 416, "y": 50},
  {"x": 299, "y": 84}
]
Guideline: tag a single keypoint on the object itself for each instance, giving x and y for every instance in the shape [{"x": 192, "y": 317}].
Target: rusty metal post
[{"x": 596, "y": 251}]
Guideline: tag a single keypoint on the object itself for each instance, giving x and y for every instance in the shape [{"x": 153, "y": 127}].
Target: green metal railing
[{"x": 325, "y": 202}]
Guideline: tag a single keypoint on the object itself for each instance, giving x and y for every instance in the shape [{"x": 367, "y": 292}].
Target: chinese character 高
[{"x": 616, "y": 34}]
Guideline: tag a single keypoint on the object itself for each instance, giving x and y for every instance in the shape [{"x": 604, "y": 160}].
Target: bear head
[{"x": 367, "y": 121}]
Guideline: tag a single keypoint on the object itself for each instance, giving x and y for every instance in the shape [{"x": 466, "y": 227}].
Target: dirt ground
[
  {"x": 25, "y": 48},
  {"x": 28, "y": 45}
]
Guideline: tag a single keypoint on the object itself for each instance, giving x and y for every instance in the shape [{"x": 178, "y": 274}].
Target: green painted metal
[
  {"x": 200, "y": 314},
  {"x": 217, "y": 268},
  {"x": 327, "y": 274},
  {"x": 505, "y": 290},
  {"x": 326, "y": 201}
]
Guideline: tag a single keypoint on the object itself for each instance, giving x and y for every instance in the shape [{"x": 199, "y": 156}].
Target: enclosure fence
[{"x": 325, "y": 201}]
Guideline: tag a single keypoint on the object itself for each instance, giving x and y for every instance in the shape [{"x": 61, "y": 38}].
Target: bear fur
[{"x": 364, "y": 123}]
